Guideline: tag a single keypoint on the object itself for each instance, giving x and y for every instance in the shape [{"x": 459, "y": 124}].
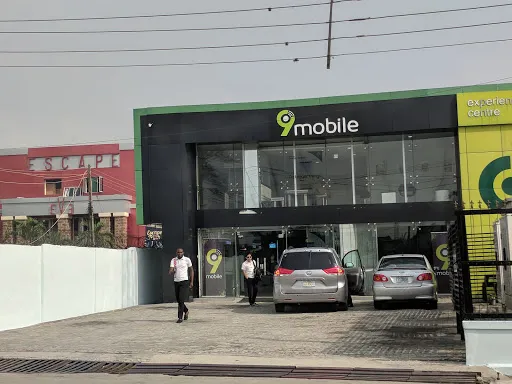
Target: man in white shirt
[
  {"x": 248, "y": 267},
  {"x": 181, "y": 267}
]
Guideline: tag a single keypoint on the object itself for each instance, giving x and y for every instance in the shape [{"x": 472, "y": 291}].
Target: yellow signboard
[{"x": 484, "y": 108}]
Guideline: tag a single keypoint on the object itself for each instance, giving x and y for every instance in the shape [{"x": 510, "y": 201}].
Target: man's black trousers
[
  {"x": 181, "y": 290},
  {"x": 252, "y": 290}
]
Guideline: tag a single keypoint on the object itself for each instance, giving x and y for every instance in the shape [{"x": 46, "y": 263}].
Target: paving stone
[{"x": 225, "y": 327}]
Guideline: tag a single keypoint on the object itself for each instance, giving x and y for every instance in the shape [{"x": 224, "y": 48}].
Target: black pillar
[{"x": 176, "y": 180}]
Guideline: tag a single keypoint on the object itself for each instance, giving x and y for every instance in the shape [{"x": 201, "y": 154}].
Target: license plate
[
  {"x": 308, "y": 284},
  {"x": 401, "y": 279}
]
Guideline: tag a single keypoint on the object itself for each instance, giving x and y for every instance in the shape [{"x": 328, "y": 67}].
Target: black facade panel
[
  {"x": 443, "y": 112},
  {"x": 146, "y": 167},
  {"x": 164, "y": 200},
  {"x": 342, "y": 214},
  {"x": 172, "y": 202},
  {"x": 189, "y": 206},
  {"x": 376, "y": 117},
  {"x": 162, "y": 157}
]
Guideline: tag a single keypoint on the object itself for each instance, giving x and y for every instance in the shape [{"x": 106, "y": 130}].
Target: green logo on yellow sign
[{"x": 488, "y": 178}]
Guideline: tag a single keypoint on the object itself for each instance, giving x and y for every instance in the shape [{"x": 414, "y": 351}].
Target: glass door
[
  {"x": 266, "y": 245},
  {"x": 219, "y": 262}
]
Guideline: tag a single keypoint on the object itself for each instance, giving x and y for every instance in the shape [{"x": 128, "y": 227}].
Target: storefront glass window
[
  {"x": 338, "y": 166},
  {"x": 223, "y": 250},
  {"x": 276, "y": 166},
  {"x": 312, "y": 181},
  {"x": 430, "y": 164},
  {"x": 360, "y": 151},
  {"x": 359, "y": 170},
  {"x": 220, "y": 169},
  {"x": 378, "y": 168}
]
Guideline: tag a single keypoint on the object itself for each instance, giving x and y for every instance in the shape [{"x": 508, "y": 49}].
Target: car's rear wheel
[
  {"x": 378, "y": 305},
  {"x": 279, "y": 308},
  {"x": 343, "y": 307}
]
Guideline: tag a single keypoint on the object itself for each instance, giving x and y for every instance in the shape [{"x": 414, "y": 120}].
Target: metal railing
[{"x": 479, "y": 265}]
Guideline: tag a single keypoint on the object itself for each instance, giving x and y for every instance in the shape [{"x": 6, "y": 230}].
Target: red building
[{"x": 50, "y": 183}]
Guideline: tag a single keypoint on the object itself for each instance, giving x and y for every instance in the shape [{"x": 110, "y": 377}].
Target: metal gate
[{"x": 478, "y": 270}]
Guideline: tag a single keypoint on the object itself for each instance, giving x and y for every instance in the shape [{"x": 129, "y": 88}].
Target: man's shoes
[
  {"x": 186, "y": 316},
  {"x": 179, "y": 321}
]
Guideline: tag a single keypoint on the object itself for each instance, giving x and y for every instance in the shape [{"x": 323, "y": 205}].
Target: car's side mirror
[{"x": 349, "y": 265}]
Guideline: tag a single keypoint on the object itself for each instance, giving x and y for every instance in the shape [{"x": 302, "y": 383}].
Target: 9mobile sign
[
  {"x": 214, "y": 265},
  {"x": 286, "y": 120}
]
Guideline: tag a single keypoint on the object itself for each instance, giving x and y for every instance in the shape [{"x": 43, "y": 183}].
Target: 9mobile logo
[{"x": 286, "y": 120}]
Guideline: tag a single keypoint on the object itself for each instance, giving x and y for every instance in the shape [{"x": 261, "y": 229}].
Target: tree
[
  {"x": 34, "y": 232},
  {"x": 103, "y": 239}
]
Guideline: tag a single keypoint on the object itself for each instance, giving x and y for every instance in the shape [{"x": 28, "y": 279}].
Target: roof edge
[{"x": 407, "y": 94}]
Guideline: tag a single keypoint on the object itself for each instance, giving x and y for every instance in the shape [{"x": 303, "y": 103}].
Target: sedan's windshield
[{"x": 403, "y": 263}]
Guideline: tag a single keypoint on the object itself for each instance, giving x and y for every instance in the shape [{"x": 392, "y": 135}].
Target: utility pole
[
  {"x": 329, "y": 37},
  {"x": 91, "y": 212}
]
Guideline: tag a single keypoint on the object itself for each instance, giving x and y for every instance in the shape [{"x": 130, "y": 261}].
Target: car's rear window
[
  {"x": 307, "y": 260},
  {"x": 403, "y": 263},
  {"x": 321, "y": 260}
]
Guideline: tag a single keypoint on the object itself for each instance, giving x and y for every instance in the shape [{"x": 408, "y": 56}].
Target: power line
[
  {"x": 41, "y": 174},
  {"x": 65, "y": 210},
  {"x": 286, "y": 43},
  {"x": 252, "y": 26},
  {"x": 429, "y": 12},
  {"x": 119, "y": 181},
  {"x": 117, "y": 140},
  {"x": 163, "y": 64},
  {"x": 99, "y": 31},
  {"x": 296, "y": 59},
  {"x": 174, "y": 49},
  {"x": 424, "y": 30},
  {"x": 29, "y": 183},
  {"x": 441, "y": 92},
  {"x": 426, "y": 47},
  {"x": 268, "y": 9},
  {"x": 118, "y": 189}
]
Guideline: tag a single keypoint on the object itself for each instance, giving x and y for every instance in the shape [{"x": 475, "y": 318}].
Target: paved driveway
[{"x": 224, "y": 327}]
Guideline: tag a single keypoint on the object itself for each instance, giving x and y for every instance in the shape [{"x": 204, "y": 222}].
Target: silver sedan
[{"x": 406, "y": 277}]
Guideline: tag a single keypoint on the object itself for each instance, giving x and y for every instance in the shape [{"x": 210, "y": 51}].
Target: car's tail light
[
  {"x": 282, "y": 271},
  {"x": 380, "y": 278},
  {"x": 425, "y": 277},
  {"x": 334, "y": 271}
]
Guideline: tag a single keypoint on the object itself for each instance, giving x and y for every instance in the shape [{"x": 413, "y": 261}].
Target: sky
[{"x": 42, "y": 106}]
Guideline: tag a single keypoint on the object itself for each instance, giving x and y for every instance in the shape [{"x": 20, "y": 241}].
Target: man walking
[
  {"x": 248, "y": 267},
  {"x": 181, "y": 267}
]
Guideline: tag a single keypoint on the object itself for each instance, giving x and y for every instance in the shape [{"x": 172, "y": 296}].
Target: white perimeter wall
[{"x": 48, "y": 283}]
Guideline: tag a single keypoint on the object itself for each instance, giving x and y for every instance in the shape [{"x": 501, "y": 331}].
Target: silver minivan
[{"x": 317, "y": 275}]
